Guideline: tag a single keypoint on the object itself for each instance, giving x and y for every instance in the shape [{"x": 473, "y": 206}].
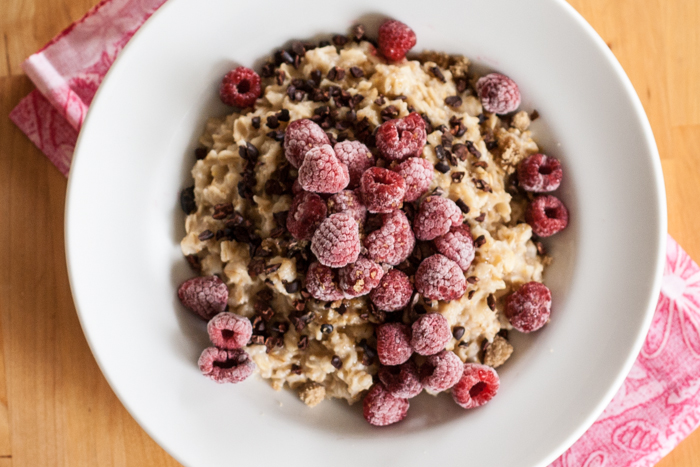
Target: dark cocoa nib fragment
[
  {"x": 453, "y": 101},
  {"x": 357, "y": 72},
  {"x": 206, "y": 235},
  {"x": 187, "y": 201},
  {"x": 442, "y": 167},
  {"x": 298, "y": 48},
  {"x": 340, "y": 40},
  {"x": 462, "y": 205},
  {"x": 200, "y": 153},
  {"x": 358, "y": 32},
  {"x": 194, "y": 262},
  {"x": 272, "y": 122}
]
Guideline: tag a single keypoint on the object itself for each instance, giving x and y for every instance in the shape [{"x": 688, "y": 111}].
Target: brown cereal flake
[
  {"x": 521, "y": 120},
  {"x": 497, "y": 352},
  {"x": 312, "y": 394}
]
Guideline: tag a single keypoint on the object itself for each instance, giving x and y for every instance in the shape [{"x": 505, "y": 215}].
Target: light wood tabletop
[{"x": 56, "y": 408}]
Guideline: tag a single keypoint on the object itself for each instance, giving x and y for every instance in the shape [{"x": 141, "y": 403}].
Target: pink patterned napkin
[{"x": 658, "y": 404}]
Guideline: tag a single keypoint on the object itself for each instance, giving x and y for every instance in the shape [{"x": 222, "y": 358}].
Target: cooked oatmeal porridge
[{"x": 371, "y": 271}]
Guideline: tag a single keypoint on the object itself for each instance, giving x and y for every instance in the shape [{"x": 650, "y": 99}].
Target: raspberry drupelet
[
  {"x": 393, "y": 292},
  {"x": 322, "y": 283},
  {"x": 382, "y": 190},
  {"x": 336, "y": 242},
  {"x": 478, "y": 385},
  {"x": 393, "y": 242},
  {"x": 529, "y": 307},
  {"x": 540, "y": 174},
  {"x": 205, "y": 296},
  {"x": 401, "y": 138},
  {"x": 229, "y": 331},
  {"x": 435, "y": 217},
  {"x": 439, "y": 278},
  {"x": 240, "y": 87},
  {"x": 360, "y": 277},
  {"x": 498, "y": 93},
  {"x": 305, "y": 215},
  {"x": 322, "y": 172},
  {"x": 441, "y": 371},
  {"x": 301, "y": 136},
  {"x": 401, "y": 381},
  {"x": 357, "y": 157},
  {"x": 429, "y": 334},
  {"x": 418, "y": 174},
  {"x": 381, "y": 408},
  {"x": 395, "y": 39},
  {"x": 547, "y": 215},
  {"x": 457, "y": 245},
  {"x": 225, "y": 366},
  {"x": 393, "y": 343},
  {"x": 348, "y": 201}
]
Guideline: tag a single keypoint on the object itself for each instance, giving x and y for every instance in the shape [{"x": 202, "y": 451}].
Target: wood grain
[{"x": 56, "y": 408}]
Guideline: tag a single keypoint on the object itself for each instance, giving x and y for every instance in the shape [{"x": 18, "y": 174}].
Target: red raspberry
[
  {"x": 402, "y": 138},
  {"x": 393, "y": 292},
  {"x": 478, "y": 385},
  {"x": 206, "y": 296},
  {"x": 430, "y": 333},
  {"x": 528, "y": 308},
  {"x": 305, "y": 215},
  {"x": 229, "y": 331},
  {"x": 337, "y": 241},
  {"x": 435, "y": 217},
  {"x": 547, "y": 215},
  {"x": 357, "y": 157},
  {"x": 540, "y": 173},
  {"x": 457, "y": 245},
  {"x": 240, "y": 87},
  {"x": 382, "y": 190},
  {"x": 349, "y": 202},
  {"x": 322, "y": 284},
  {"x": 441, "y": 371},
  {"x": 395, "y": 39},
  {"x": 225, "y": 366},
  {"x": 439, "y": 278},
  {"x": 498, "y": 93},
  {"x": 393, "y": 343},
  {"x": 380, "y": 408},
  {"x": 401, "y": 381},
  {"x": 300, "y": 136},
  {"x": 322, "y": 172},
  {"x": 418, "y": 174},
  {"x": 393, "y": 242},
  {"x": 360, "y": 277}
]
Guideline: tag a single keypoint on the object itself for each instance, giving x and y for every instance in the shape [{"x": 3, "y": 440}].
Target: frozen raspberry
[
  {"x": 380, "y": 408},
  {"x": 360, "y": 277},
  {"x": 457, "y": 245},
  {"x": 349, "y": 202},
  {"x": 402, "y": 138},
  {"x": 240, "y": 87},
  {"x": 337, "y": 241},
  {"x": 528, "y": 308},
  {"x": 395, "y": 39},
  {"x": 229, "y": 331},
  {"x": 430, "y": 333},
  {"x": 540, "y": 173},
  {"x": 478, "y": 385},
  {"x": 322, "y": 283},
  {"x": 356, "y": 157},
  {"x": 322, "y": 172},
  {"x": 206, "y": 296},
  {"x": 393, "y": 242},
  {"x": 305, "y": 215},
  {"x": 498, "y": 93},
  {"x": 382, "y": 190},
  {"x": 547, "y": 215},
  {"x": 435, "y": 217},
  {"x": 418, "y": 174},
  {"x": 300, "y": 136},
  {"x": 393, "y": 343},
  {"x": 439, "y": 278},
  {"x": 441, "y": 371},
  {"x": 225, "y": 366},
  {"x": 393, "y": 292},
  {"x": 401, "y": 381}
]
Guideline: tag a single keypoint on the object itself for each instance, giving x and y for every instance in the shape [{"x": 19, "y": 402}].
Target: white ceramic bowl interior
[{"x": 123, "y": 227}]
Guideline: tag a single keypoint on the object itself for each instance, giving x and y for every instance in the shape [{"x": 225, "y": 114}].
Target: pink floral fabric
[{"x": 659, "y": 402}]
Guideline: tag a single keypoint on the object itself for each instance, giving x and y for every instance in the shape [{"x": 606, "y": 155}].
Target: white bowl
[{"x": 123, "y": 227}]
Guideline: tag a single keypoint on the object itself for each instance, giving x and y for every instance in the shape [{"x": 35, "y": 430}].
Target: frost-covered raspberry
[
  {"x": 457, "y": 245},
  {"x": 401, "y": 381},
  {"x": 418, "y": 174},
  {"x": 381, "y": 408},
  {"x": 322, "y": 283},
  {"x": 529, "y": 307},
  {"x": 478, "y": 385},
  {"x": 300, "y": 137},
  {"x": 393, "y": 292},
  {"x": 430, "y": 333},
  {"x": 305, "y": 215},
  {"x": 547, "y": 215},
  {"x": 322, "y": 172},
  {"x": 337, "y": 241},
  {"x": 435, "y": 217},
  {"x": 439, "y": 278},
  {"x": 240, "y": 87},
  {"x": 357, "y": 157},
  {"x": 498, "y": 93},
  {"x": 540, "y": 174},
  {"x": 225, "y": 366},
  {"x": 348, "y": 201},
  {"x": 360, "y": 277},
  {"x": 206, "y": 296},
  {"x": 393, "y": 343},
  {"x": 402, "y": 138},
  {"x": 382, "y": 190},
  {"x": 395, "y": 39},
  {"x": 441, "y": 371},
  {"x": 229, "y": 331},
  {"x": 393, "y": 242}
]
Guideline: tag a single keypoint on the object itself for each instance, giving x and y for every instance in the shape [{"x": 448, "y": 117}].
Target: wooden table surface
[{"x": 56, "y": 409}]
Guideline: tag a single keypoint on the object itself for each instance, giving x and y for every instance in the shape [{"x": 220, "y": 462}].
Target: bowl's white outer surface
[{"x": 123, "y": 227}]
